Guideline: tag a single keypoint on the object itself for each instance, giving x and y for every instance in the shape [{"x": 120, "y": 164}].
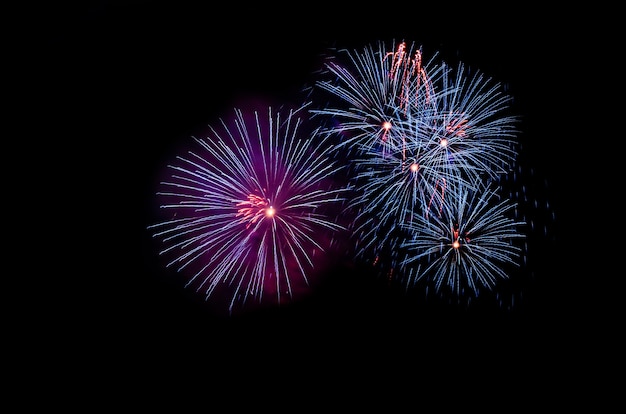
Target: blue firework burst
[
  {"x": 415, "y": 132},
  {"x": 375, "y": 88},
  {"x": 468, "y": 246}
]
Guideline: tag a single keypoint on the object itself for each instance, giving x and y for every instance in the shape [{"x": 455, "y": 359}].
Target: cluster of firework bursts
[{"x": 408, "y": 158}]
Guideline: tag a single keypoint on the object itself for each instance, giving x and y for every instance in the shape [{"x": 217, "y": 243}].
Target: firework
[
  {"x": 415, "y": 131},
  {"x": 251, "y": 209},
  {"x": 468, "y": 246},
  {"x": 375, "y": 88},
  {"x": 374, "y": 93},
  {"x": 466, "y": 126}
]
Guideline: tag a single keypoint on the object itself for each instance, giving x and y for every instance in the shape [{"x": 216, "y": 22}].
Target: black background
[{"x": 122, "y": 84}]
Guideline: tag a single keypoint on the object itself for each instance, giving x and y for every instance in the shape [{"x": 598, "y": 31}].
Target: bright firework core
[{"x": 254, "y": 208}]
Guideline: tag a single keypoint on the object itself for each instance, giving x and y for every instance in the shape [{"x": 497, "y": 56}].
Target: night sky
[{"x": 139, "y": 78}]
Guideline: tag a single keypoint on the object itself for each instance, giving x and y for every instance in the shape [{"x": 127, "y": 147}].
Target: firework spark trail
[
  {"x": 468, "y": 246},
  {"x": 252, "y": 209},
  {"x": 410, "y": 74}
]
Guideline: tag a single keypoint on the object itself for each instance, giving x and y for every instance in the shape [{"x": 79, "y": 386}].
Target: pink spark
[{"x": 255, "y": 208}]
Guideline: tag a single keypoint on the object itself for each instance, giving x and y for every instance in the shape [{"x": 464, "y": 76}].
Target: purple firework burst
[{"x": 250, "y": 212}]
